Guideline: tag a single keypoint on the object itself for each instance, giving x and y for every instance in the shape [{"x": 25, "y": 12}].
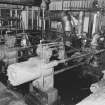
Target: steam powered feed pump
[{"x": 39, "y": 70}]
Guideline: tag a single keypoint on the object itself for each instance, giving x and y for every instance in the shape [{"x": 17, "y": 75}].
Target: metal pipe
[
  {"x": 65, "y": 60},
  {"x": 54, "y": 43},
  {"x": 71, "y": 67},
  {"x": 80, "y": 56},
  {"x": 19, "y": 2},
  {"x": 68, "y": 68}
]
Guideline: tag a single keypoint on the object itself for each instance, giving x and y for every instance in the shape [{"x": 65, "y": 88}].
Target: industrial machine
[{"x": 34, "y": 41}]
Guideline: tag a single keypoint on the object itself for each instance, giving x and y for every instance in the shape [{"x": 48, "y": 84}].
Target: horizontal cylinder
[
  {"x": 20, "y": 73},
  {"x": 20, "y": 2},
  {"x": 32, "y": 69}
]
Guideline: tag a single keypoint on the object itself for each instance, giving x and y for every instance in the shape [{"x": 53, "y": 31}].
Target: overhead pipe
[{"x": 21, "y": 2}]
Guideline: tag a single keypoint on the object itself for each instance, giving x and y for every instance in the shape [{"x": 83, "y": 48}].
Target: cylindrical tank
[{"x": 20, "y": 73}]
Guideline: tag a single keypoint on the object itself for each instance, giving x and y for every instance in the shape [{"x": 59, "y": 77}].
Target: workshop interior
[{"x": 52, "y": 52}]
